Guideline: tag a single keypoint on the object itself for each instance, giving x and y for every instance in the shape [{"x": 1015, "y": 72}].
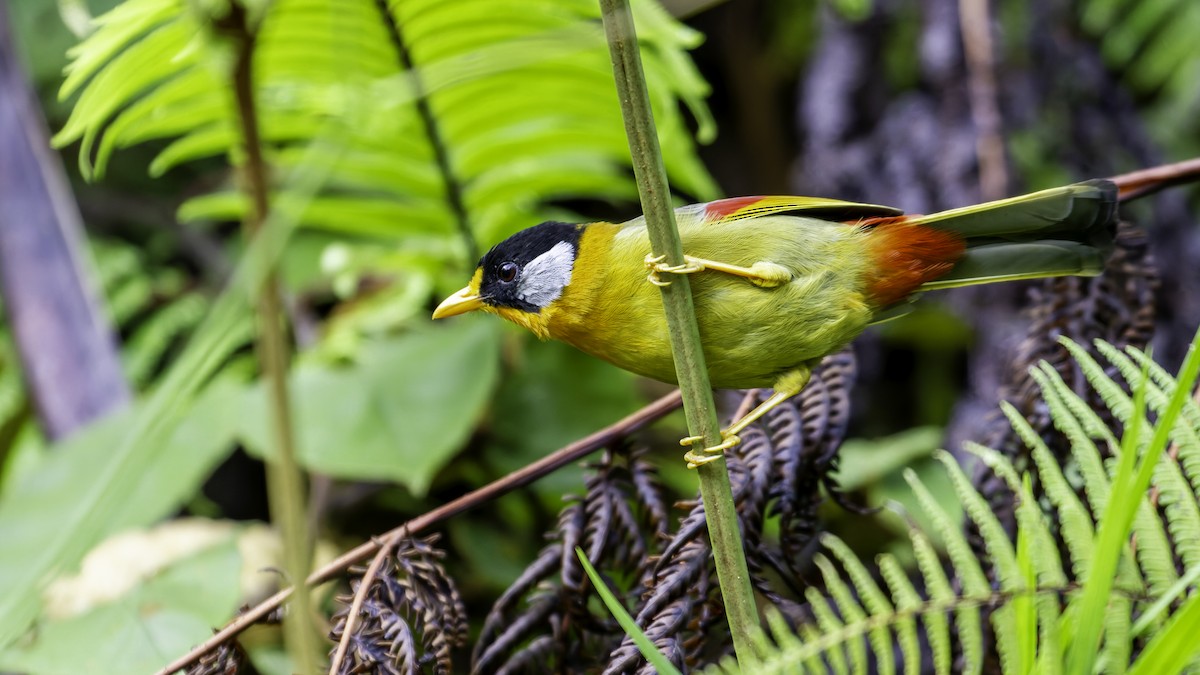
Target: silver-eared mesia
[{"x": 778, "y": 282}]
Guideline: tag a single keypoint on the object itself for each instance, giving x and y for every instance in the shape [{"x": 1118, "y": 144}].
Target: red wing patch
[
  {"x": 737, "y": 208},
  {"x": 725, "y": 207}
]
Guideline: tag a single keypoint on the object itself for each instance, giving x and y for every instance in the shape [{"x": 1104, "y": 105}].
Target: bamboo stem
[
  {"x": 690, "y": 367},
  {"x": 285, "y": 481}
]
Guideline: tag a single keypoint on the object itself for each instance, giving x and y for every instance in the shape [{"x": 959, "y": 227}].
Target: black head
[{"x": 530, "y": 269}]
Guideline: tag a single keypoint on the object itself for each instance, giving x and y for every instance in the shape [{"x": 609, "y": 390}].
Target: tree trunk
[{"x": 67, "y": 349}]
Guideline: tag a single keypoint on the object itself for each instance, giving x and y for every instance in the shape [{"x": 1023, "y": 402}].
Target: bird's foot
[
  {"x": 711, "y": 454},
  {"x": 657, "y": 266}
]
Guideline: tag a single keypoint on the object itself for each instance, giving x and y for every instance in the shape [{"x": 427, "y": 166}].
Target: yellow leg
[
  {"x": 761, "y": 273},
  {"x": 789, "y": 385}
]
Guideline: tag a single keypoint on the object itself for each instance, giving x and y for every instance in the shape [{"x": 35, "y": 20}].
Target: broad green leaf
[
  {"x": 34, "y": 509},
  {"x": 83, "y": 501},
  {"x": 175, "y": 586},
  {"x": 399, "y": 413},
  {"x": 863, "y": 462},
  {"x": 556, "y": 395}
]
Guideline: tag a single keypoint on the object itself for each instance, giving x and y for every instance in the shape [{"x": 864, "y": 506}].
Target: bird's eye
[{"x": 507, "y": 272}]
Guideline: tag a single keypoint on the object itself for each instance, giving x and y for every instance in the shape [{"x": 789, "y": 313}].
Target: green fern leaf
[
  {"x": 505, "y": 104},
  {"x": 1031, "y": 523},
  {"x": 1154, "y": 549},
  {"x": 848, "y": 607},
  {"x": 966, "y": 565},
  {"x": 1165, "y": 382},
  {"x": 1178, "y": 497},
  {"x": 1076, "y": 527},
  {"x": 830, "y": 624},
  {"x": 1059, "y": 398},
  {"x": 876, "y": 601},
  {"x": 1037, "y": 549},
  {"x": 812, "y": 660},
  {"x": 1095, "y": 426},
  {"x": 937, "y": 628},
  {"x": 1002, "y": 556},
  {"x": 907, "y": 601},
  {"x": 1189, "y": 454}
]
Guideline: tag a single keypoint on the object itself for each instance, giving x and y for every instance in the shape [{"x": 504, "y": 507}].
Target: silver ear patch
[{"x": 544, "y": 278}]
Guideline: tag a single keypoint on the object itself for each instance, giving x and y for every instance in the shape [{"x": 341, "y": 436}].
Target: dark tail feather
[{"x": 1062, "y": 231}]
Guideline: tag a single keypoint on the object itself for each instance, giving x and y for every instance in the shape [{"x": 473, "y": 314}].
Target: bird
[{"x": 778, "y": 282}]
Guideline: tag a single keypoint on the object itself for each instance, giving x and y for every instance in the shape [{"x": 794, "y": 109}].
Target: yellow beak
[{"x": 466, "y": 300}]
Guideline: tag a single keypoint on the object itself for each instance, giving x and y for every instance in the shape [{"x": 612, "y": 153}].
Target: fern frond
[
  {"x": 1165, "y": 382},
  {"x": 1178, "y": 496},
  {"x": 874, "y": 599},
  {"x": 830, "y": 640},
  {"x": 453, "y": 114},
  {"x": 1077, "y": 530},
  {"x": 1087, "y": 457},
  {"x": 937, "y": 585},
  {"x": 1080, "y": 424},
  {"x": 1038, "y": 610},
  {"x": 970, "y": 573},
  {"x": 830, "y": 625},
  {"x": 1000, "y": 552},
  {"x": 1154, "y": 550},
  {"x": 1188, "y": 454},
  {"x": 1041, "y": 566},
  {"x": 907, "y": 600},
  {"x": 848, "y": 607},
  {"x": 1047, "y": 563},
  {"x": 812, "y": 661}
]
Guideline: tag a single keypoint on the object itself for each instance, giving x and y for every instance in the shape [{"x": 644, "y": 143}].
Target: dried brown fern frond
[
  {"x": 228, "y": 659},
  {"x": 778, "y": 471},
  {"x": 547, "y": 618},
  {"x": 806, "y": 453},
  {"x": 1117, "y": 307},
  {"x": 544, "y": 620},
  {"x": 412, "y": 616},
  {"x": 681, "y": 579}
]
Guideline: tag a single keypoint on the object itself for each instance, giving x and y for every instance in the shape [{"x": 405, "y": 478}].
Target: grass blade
[{"x": 644, "y": 645}]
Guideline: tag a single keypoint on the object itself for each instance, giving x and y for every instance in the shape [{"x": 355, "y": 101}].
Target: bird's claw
[
  {"x": 710, "y": 454},
  {"x": 657, "y": 266}
]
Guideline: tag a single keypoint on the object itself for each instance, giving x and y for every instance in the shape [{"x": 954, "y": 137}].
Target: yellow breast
[{"x": 750, "y": 334}]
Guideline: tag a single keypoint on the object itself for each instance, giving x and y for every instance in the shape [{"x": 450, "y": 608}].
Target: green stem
[
  {"x": 285, "y": 481},
  {"x": 681, "y": 320}
]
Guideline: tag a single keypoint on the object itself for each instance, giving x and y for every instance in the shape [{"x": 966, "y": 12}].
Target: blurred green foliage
[
  {"x": 521, "y": 106},
  {"x": 166, "y": 612},
  {"x": 521, "y": 102},
  {"x": 397, "y": 414}
]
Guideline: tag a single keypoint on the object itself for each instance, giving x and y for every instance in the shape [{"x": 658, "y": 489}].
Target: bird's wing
[{"x": 738, "y": 208}]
